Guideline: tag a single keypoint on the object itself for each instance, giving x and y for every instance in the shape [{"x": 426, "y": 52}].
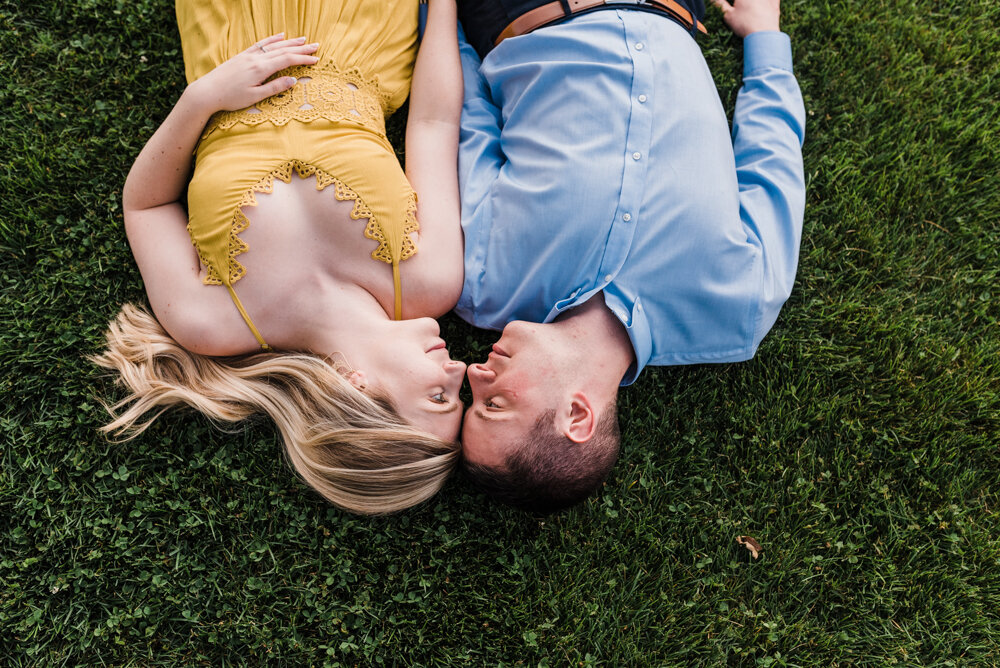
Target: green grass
[{"x": 860, "y": 447}]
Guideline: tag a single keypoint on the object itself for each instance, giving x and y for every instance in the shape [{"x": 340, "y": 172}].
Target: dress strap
[
  {"x": 246, "y": 318},
  {"x": 397, "y": 292}
]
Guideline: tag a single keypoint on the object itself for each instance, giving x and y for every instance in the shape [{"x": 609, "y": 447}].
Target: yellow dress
[{"x": 330, "y": 125}]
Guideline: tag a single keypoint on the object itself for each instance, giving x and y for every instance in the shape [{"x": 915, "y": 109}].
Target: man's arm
[{"x": 768, "y": 130}]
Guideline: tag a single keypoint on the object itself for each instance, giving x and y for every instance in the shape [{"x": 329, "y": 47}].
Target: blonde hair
[{"x": 352, "y": 448}]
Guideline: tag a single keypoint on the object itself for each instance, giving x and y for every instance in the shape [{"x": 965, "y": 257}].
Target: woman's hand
[
  {"x": 749, "y": 16},
  {"x": 241, "y": 81}
]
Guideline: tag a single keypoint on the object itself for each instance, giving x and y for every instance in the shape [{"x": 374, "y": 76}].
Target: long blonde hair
[{"x": 352, "y": 448}]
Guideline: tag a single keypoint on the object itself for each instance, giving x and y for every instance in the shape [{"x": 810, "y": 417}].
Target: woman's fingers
[
  {"x": 279, "y": 85},
  {"x": 285, "y": 43},
  {"x": 267, "y": 41},
  {"x": 273, "y": 54},
  {"x": 723, "y": 5},
  {"x": 263, "y": 45},
  {"x": 293, "y": 48},
  {"x": 277, "y": 44},
  {"x": 276, "y": 64},
  {"x": 280, "y": 61}
]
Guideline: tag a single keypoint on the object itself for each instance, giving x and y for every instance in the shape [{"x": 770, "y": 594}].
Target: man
[{"x": 610, "y": 220}]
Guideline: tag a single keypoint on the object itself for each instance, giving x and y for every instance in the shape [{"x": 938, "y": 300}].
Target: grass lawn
[{"x": 860, "y": 447}]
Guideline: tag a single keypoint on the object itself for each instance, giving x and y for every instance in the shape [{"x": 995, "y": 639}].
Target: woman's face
[{"x": 412, "y": 365}]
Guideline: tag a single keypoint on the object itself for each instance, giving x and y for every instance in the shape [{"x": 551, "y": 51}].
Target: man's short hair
[{"x": 547, "y": 472}]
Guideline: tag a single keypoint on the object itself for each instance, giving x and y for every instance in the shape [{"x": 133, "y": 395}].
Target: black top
[{"x": 484, "y": 20}]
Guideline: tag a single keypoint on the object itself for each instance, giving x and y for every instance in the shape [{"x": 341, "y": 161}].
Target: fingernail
[
  {"x": 300, "y": 39},
  {"x": 293, "y": 80}
]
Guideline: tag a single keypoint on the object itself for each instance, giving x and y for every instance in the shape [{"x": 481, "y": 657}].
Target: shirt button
[
  {"x": 575, "y": 293},
  {"x": 607, "y": 278},
  {"x": 636, "y": 155},
  {"x": 627, "y": 217},
  {"x": 638, "y": 307},
  {"x": 639, "y": 46},
  {"x": 642, "y": 98}
]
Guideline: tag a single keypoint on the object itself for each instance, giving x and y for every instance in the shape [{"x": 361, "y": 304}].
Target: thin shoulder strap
[
  {"x": 397, "y": 292},
  {"x": 246, "y": 319}
]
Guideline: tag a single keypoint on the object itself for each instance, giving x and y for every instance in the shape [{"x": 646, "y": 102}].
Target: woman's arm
[
  {"x": 436, "y": 90},
  {"x": 160, "y": 173},
  {"x": 432, "y": 128},
  {"x": 155, "y": 220}
]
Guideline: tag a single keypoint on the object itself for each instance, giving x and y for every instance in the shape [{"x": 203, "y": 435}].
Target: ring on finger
[{"x": 261, "y": 47}]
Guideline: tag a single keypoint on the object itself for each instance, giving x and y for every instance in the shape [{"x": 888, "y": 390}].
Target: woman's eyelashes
[
  {"x": 489, "y": 403},
  {"x": 439, "y": 398}
]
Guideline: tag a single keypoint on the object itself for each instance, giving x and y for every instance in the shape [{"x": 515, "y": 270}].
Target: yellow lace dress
[{"x": 330, "y": 125}]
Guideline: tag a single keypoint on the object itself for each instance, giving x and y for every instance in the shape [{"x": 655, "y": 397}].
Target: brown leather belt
[{"x": 554, "y": 11}]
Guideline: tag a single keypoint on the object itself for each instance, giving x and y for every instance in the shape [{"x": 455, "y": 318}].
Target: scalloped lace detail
[
  {"x": 343, "y": 192},
  {"x": 373, "y": 230},
  {"x": 322, "y": 92}
]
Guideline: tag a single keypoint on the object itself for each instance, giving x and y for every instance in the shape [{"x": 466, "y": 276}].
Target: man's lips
[
  {"x": 437, "y": 346},
  {"x": 499, "y": 351}
]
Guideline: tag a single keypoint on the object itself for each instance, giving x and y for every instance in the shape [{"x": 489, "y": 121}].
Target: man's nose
[
  {"x": 454, "y": 367},
  {"x": 480, "y": 374}
]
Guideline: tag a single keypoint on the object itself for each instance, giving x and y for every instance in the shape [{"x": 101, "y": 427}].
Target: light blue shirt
[{"x": 596, "y": 156}]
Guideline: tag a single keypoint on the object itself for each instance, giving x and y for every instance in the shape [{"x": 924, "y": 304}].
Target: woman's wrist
[{"x": 198, "y": 100}]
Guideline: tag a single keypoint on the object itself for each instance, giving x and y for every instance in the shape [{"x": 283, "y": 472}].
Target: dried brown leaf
[{"x": 750, "y": 543}]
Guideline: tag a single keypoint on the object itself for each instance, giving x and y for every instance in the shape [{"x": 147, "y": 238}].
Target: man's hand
[{"x": 747, "y": 16}]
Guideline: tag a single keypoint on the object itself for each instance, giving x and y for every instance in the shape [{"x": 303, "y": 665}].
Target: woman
[{"x": 303, "y": 278}]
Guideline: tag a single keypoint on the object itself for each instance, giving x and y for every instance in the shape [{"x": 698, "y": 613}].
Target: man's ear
[
  {"x": 578, "y": 422},
  {"x": 359, "y": 380}
]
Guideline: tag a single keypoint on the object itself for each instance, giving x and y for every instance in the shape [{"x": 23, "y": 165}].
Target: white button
[
  {"x": 575, "y": 293},
  {"x": 627, "y": 217},
  {"x": 607, "y": 278},
  {"x": 642, "y": 98},
  {"x": 639, "y": 45},
  {"x": 636, "y": 155},
  {"x": 638, "y": 307}
]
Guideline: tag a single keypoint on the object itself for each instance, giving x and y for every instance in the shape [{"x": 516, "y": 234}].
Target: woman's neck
[{"x": 348, "y": 322}]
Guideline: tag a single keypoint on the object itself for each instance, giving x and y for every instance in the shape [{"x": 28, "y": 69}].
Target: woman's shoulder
[{"x": 206, "y": 323}]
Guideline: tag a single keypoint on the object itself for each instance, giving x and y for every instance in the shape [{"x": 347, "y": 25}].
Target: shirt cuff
[{"x": 766, "y": 49}]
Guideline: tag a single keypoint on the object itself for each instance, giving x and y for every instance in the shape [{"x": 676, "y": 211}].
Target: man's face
[{"x": 518, "y": 382}]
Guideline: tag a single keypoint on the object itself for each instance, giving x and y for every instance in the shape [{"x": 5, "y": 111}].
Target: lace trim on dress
[
  {"x": 373, "y": 230},
  {"x": 321, "y": 92},
  {"x": 343, "y": 192}
]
